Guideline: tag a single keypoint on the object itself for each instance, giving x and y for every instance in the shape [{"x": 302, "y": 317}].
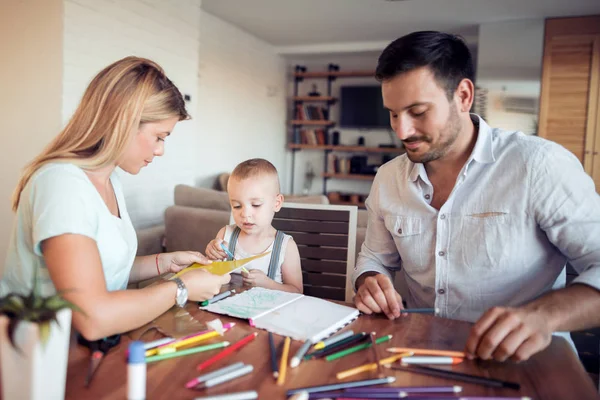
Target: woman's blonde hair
[{"x": 127, "y": 93}]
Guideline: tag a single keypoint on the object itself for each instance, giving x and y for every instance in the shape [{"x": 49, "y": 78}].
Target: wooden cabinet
[{"x": 569, "y": 103}]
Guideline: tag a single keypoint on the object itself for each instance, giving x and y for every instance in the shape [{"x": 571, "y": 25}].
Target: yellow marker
[
  {"x": 428, "y": 352},
  {"x": 283, "y": 363},
  {"x": 221, "y": 267},
  {"x": 370, "y": 367}
]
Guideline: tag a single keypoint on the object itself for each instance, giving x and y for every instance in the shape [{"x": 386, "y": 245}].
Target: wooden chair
[{"x": 326, "y": 237}]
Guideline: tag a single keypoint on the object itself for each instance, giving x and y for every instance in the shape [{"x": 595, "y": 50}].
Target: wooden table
[{"x": 555, "y": 373}]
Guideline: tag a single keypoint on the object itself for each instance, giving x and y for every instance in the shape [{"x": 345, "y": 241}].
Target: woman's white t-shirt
[{"x": 60, "y": 199}]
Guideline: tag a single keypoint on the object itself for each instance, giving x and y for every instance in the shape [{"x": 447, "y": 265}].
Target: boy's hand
[
  {"x": 255, "y": 277},
  {"x": 214, "y": 250}
]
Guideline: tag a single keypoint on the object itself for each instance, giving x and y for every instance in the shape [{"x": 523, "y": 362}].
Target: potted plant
[{"x": 34, "y": 344}]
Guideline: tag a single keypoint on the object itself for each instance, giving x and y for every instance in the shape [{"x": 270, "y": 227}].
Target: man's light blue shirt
[{"x": 520, "y": 209}]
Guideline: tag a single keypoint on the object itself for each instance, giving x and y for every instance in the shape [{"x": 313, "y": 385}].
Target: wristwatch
[{"x": 182, "y": 294}]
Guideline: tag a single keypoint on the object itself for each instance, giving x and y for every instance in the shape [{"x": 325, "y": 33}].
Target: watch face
[{"x": 182, "y": 296}]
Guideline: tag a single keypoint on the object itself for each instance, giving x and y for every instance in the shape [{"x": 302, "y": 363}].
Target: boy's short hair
[{"x": 255, "y": 167}]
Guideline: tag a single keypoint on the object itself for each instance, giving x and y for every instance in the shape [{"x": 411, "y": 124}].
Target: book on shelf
[
  {"x": 313, "y": 137},
  {"x": 307, "y": 112}
]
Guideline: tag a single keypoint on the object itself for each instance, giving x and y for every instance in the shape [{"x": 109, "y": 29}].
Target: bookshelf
[{"x": 311, "y": 123}]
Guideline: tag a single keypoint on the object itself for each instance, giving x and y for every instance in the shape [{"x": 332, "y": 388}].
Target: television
[{"x": 362, "y": 107}]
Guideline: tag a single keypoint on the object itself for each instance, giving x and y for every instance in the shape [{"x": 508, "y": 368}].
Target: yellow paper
[{"x": 222, "y": 267}]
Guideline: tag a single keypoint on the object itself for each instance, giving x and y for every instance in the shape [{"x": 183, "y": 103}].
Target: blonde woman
[{"x": 72, "y": 225}]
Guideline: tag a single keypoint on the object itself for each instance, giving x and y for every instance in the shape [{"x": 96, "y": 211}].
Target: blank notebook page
[{"x": 307, "y": 318}]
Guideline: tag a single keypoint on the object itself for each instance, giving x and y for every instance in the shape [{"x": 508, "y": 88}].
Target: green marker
[
  {"x": 356, "y": 348},
  {"x": 186, "y": 352},
  {"x": 218, "y": 297}
]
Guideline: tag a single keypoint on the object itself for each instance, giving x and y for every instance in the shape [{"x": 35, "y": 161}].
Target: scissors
[{"x": 98, "y": 349}]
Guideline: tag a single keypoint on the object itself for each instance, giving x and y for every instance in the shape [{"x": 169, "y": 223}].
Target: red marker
[{"x": 227, "y": 351}]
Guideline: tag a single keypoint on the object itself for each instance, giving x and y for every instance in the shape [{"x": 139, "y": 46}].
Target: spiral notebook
[{"x": 289, "y": 314}]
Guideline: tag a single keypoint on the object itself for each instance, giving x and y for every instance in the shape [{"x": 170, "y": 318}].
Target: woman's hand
[
  {"x": 178, "y": 260},
  {"x": 214, "y": 250},
  {"x": 202, "y": 285}
]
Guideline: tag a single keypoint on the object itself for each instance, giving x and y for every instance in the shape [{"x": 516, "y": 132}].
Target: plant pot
[{"x": 38, "y": 371}]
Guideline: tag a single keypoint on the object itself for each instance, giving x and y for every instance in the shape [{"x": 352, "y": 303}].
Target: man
[{"x": 478, "y": 222}]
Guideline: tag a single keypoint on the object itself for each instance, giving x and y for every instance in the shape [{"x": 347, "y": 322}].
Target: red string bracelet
[{"x": 157, "y": 269}]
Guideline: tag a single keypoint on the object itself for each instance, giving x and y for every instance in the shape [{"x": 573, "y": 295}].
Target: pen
[
  {"x": 218, "y": 297},
  {"x": 420, "y": 311},
  {"x": 230, "y": 255}
]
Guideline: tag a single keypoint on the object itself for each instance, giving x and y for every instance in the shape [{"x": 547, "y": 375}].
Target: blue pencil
[
  {"x": 345, "y": 385},
  {"x": 420, "y": 311}
]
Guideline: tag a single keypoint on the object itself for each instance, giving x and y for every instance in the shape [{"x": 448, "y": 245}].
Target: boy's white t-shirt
[
  {"x": 261, "y": 263},
  {"x": 60, "y": 199}
]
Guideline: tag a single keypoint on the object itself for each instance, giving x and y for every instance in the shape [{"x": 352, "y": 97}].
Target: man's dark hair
[{"x": 446, "y": 55}]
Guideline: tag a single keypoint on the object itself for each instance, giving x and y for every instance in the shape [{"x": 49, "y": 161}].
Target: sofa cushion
[
  {"x": 189, "y": 228},
  {"x": 190, "y": 196}
]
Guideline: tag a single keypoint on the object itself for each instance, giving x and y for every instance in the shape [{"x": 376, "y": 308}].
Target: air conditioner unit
[{"x": 521, "y": 105}]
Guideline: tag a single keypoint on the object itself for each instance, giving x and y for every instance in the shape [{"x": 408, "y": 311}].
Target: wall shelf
[
  {"x": 312, "y": 122},
  {"x": 314, "y": 98},
  {"x": 348, "y": 176},
  {"x": 335, "y": 74},
  {"x": 362, "y": 149}
]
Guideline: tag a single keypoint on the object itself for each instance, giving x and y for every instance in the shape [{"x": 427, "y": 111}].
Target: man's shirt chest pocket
[{"x": 406, "y": 232}]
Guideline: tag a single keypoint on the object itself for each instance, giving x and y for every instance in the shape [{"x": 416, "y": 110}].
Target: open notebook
[{"x": 289, "y": 314}]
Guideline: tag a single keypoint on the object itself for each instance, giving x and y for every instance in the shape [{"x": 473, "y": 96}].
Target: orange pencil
[
  {"x": 227, "y": 351},
  {"x": 283, "y": 364},
  {"x": 427, "y": 352}
]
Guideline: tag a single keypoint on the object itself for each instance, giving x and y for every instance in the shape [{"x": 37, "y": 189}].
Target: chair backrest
[{"x": 326, "y": 237}]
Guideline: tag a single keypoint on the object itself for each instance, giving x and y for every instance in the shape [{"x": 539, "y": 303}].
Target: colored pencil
[
  {"x": 354, "y": 349},
  {"x": 427, "y": 352},
  {"x": 186, "y": 352},
  {"x": 248, "y": 395},
  {"x": 185, "y": 340},
  {"x": 214, "y": 374},
  {"x": 227, "y": 351},
  {"x": 370, "y": 367},
  {"x": 344, "y": 385},
  {"x": 229, "y": 376},
  {"x": 218, "y": 297},
  {"x": 333, "y": 339},
  {"x": 342, "y": 344},
  {"x": 458, "y": 376},
  {"x": 159, "y": 342},
  {"x": 283, "y": 363},
  {"x": 300, "y": 354},
  {"x": 407, "y": 389},
  {"x": 420, "y": 311},
  {"x": 432, "y": 360},
  {"x": 375, "y": 354},
  {"x": 273, "y": 352}
]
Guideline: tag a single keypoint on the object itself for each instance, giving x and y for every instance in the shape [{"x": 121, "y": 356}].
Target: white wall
[
  {"x": 31, "y": 84},
  {"x": 241, "y": 110},
  {"x": 99, "y": 32},
  {"x": 509, "y": 64}
]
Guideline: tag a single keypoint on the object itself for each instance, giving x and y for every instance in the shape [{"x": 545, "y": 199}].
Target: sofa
[{"x": 199, "y": 213}]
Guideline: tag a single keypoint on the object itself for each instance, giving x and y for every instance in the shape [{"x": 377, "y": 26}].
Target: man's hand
[
  {"x": 508, "y": 333},
  {"x": 376, "y": 294}
]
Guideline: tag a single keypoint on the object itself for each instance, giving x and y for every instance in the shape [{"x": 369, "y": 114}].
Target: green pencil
[
  {"x": 186, "y": 352},
  {"x": 356, "y": 348}
]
